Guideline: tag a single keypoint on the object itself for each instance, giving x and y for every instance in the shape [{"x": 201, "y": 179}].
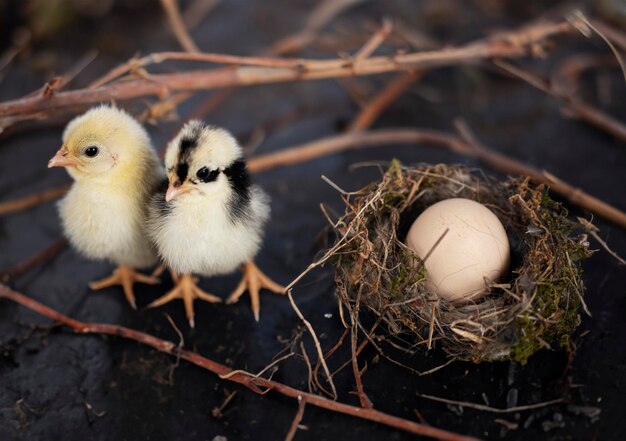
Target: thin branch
[
  {"x": 34, "y": 261},
  {"x": 321, "y": 16},
  {"x": 512, "y": 45},
  {"x": 486, "y": 408},
  {"x": 21, "y": 204},
  {"x": 593, "y": 231},
  {"x": 616, "y": 35},
  {"x": 377, "y": 105},
  {"x": 197, "y": 11},
  {"x": 253, "y": 383},
  {"x": 318, "y": 346},
  {"x": 498, "y": 161},
  {"x": 572, "y": 106},
  {"x": 297, "y": 419},
  {"x": 374, "y": 42},
  {"x": 364, "y": 400},
  {"x": 177, "y": 24},
  {"x": 375, "y": 138},
  {"x": 580, "y": 16}
]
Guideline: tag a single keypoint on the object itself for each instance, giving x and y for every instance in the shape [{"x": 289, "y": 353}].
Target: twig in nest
[
  {"x": 297, "y": 419},
  {"x": 593, "y": 231},
  {"x": 486, "y": 408},
  {"x": 250, "y": 381},
  {"x": 363, "y": 398},
  {"x": 37, "y": 259},
  {"x": 318, "y": 346},
  {"x": 178, "y": 25}
]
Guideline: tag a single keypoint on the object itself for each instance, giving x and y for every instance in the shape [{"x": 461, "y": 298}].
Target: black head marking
[
  {"x": 159, "y": 198},
  {"x": 190, "y": 142},
  {"x": 181, "y": 171},
  {"x": 239, "y": 179},
  {"x": 187, "y": 144}
]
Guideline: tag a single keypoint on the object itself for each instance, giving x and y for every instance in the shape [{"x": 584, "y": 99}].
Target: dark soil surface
[{"x": 58, "y": 386}]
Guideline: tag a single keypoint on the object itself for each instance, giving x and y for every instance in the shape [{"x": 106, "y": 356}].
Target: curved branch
[{"x": 251, "y": 382}]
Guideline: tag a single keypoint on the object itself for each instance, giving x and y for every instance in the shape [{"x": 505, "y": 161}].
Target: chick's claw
[
  {"x": 187, "y": 289},
  {"x": 253, "y": 280},
  {"x": 125, "y": 276}
]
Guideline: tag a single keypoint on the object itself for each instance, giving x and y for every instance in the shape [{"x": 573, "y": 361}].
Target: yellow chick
[{"x": 115, "y": 170}]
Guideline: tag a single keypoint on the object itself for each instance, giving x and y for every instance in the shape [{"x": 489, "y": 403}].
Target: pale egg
[{"x": 473, "y": 253}]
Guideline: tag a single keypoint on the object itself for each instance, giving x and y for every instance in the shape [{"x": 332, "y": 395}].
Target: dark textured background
[{"x": 59, "y": 386}]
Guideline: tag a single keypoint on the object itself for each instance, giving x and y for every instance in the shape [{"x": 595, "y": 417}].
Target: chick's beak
[
  {"x": 62, "y": 159},
  {"x": 176, "y": 188}
]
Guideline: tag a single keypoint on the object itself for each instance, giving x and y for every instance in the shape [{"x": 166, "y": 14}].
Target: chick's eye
[
  {"x": 206, "y": 175},
  {"x": 91, "y": 151}
]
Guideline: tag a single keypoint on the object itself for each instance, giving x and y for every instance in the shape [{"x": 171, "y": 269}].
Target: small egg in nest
[{"x": 529, "y": 300}]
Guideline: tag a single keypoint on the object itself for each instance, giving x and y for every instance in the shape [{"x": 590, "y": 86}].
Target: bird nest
[{"x": 535, "y": 306}]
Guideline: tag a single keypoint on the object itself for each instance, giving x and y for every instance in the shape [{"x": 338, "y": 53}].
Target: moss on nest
[{"x": 537, "y": 306}]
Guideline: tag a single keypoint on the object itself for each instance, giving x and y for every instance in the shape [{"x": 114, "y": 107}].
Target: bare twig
[
  {"x": 34, "y": 261},
  {"x": 498, "y": 161},
  {"x": 21, "y": 204},
  {"x": 217, "y": 411},
  {"x": 617, "y": 36},
  {"x": 323, "y": 14},
  {"x": 76, "y": 69},
  {"x": 572, "y": 106},
  {"x": 391, "y": 92},
  {"x": 318, "y": 346},
  {"x": 20, "y": 40},
  {"x": 486, "y": 408},
  {"x": 178, "y": 25},
  {"x": 364, "y": 400},
  {"x": 374, "y": 42},
  {"x": 297, "y": 419},
  {"x": 197, "y": 11},
  {"x": 253, "y": 383},
  {"x": 580, "y": 16},
  {"x": 512, "y": 45},
  {"x": 181, "y": 344},
  {"x": 305, "y": 356},
  {"x": 593, "y": 231},
  {"x": 568, "y": 72},
  {"x": 367, "y": 139}
]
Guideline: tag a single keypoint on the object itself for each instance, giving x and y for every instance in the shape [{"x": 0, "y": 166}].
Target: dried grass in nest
[{"x": 535, "y": 306}]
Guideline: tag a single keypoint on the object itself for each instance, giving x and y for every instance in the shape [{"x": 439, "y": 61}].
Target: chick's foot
[
  {"x": 127, "y": 277},
  {"x": 187, "y": 289},
  {"x": 253, "y": 280}
]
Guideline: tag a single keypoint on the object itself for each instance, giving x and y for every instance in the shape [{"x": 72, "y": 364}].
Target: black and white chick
[
  {"x": 115, "y": 170},
  {"x": 208, "y": 218}
]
